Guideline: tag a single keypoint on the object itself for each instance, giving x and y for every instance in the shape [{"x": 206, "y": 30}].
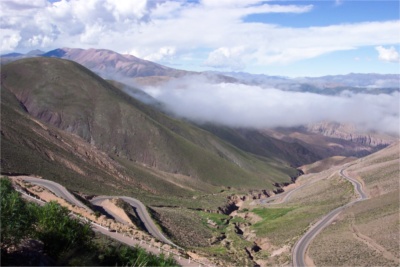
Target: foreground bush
[{"x": 66, "y": 240}]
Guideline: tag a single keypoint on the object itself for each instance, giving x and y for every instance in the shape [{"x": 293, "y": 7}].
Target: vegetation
[
  {"x": 270, "y": 218},
  {"x": 367, "y": 233},
  {"x": 17, "y": 217},
  {"x": 66, "y": 240}
]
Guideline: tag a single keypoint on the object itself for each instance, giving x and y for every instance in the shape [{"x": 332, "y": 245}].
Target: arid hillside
[{"x": 367, "y": 233}]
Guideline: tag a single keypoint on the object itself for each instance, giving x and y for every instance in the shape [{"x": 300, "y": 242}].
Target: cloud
[
  {"x": 239, "y": 105},
  {"x": 388, "y": 54},
  {"x": 194, "y": 34},
  {"x": 165, "y": 52},
  {"x": 227, "y": 58},
  {"x": 42, "y": 24},
  {"x": 9, "y": 40}
]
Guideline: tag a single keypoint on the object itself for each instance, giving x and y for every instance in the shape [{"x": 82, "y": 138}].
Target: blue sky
[
  {"x": 327, "y": 13},
  {"x": 288, "y": 38}
]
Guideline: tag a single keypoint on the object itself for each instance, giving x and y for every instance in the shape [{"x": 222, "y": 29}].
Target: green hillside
[{"x": 159, "y": 153}]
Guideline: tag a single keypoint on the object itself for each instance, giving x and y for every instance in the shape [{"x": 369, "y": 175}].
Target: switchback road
[
  {"x": 62, "y": 192},
  {"x": 57, "y": 189},
  {"x": 142, "y": 213},
  {"x": 299, "y": 250}
]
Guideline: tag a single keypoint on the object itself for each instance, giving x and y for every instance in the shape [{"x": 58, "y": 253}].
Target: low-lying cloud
[{"x": 239, "y": 105}]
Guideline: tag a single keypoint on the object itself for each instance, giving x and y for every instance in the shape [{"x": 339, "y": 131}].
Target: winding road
[
  {"x": 142, "y": 213},
  {"x": 57, "y": 189},
  {"x": 298, "y": 252},
  {"x": 300, "y": 248},
  {"x": 62, "y": 192}
]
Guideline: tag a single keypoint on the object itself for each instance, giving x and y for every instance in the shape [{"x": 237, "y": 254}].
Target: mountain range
[
  {"x": 80, "y": 118},
  {"x": 110, "y": 64},
  {"x": 135, "y": 139}
]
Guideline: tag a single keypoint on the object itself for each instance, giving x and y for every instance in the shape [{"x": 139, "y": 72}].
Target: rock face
[{"x": 350, "y": 133}]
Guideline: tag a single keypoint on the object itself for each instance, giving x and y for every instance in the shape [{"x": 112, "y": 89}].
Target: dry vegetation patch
[
  {"x": 183, "y": 225},
  {"x": 365, "y": 234}
]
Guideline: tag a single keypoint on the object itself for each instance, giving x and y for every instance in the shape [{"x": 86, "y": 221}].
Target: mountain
[
  {"x": 12, "y": 55},
  {"x": 370, "y": 83},
  {"x": 161, "y": 154},
  {"x": 108, "y": 63},
  {"x": 15, "y": 56},
  {"x": 328, "y": 139},
  {"x": 112, "y": 65}
]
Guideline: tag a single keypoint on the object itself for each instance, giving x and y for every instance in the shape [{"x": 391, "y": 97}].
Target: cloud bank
[{"x": 239, "y": 105}]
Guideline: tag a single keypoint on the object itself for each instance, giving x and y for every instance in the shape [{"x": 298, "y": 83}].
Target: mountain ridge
[{"x": 68, "y": 96}]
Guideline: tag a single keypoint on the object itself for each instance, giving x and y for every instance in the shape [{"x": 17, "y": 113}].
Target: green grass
[
  {"x": 282, "y": 224},
  {"x": 269, "y": 214},
  {"x": 272, "y": 218},
  {"x": 219, "y": 219}
]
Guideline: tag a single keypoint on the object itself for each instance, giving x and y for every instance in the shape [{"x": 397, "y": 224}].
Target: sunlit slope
[
  {"x": 367, "y": 233},
  {"x": 72, "y": 98},
  {"x": 29, "y": 146}
]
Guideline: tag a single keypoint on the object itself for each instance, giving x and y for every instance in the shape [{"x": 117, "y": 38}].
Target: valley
[
  {"x": 199, "y": 133},
  {"x": 213, "y": 194}
]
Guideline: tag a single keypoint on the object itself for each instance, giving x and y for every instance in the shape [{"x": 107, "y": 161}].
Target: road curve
[
  {"x": 301, "y": 246},
  {"x": 143, "y": 215},
  {"x": 285, "y": 196},
  {"x": 62, "y": 192},
  {"x": 56, "y": 188}
]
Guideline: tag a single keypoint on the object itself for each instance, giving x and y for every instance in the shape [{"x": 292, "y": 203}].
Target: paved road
[
  {"x": 301, "y": 246},
  {"x": 98, "y": 202},
  {"x": 143, "y": 215},
  {"x": 285, "y": 196},
  {"x": 62, "y": 192},
  {"x": 57, "y": 189}
]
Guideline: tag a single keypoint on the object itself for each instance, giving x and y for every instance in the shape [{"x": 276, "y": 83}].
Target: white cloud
[
  {"x": 9, "y": 40},
  {"x": 228, "y": 58},
  {"x": 388, "y": 54},
  {"x": 199, "y": 33},
  {"x": 166, "y": 52},
  {"x": 71, "y": 23},
  {"x": 241, "y": 105},
  {"x": 23, "y": 4}
]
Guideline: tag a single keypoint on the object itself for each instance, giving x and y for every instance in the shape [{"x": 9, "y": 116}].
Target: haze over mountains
[
  {"x": 156, "y": 151},
  {"x": 257, "y": 101},
  {"x": 110, "y": 64}
]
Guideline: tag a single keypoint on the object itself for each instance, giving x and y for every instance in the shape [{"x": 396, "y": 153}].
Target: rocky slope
[
  {"x": 350, "y": 133},
  {"x": 328, "y": 139}
]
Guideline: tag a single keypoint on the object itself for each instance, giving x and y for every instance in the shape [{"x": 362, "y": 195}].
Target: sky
[{"x": 286, "y": 38}]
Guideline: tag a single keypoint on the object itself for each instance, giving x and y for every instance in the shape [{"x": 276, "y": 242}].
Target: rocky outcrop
[{"x": 349, "y": 132}]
